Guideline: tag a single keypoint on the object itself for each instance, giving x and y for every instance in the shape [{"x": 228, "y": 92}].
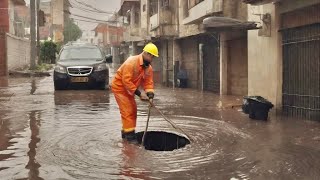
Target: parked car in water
[{"x": 81, "y": 65}]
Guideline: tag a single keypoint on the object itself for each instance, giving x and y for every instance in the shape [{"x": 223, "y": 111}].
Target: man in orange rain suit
[{"x": 136, "y": 71}]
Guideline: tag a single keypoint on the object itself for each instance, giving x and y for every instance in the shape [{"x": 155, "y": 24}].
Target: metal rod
[
  {"x": 145, "y": 132},
  {"x": 169, "y": 121}
]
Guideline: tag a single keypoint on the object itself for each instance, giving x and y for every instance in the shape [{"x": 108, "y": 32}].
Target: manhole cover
[{"x": 162, "y": 141}]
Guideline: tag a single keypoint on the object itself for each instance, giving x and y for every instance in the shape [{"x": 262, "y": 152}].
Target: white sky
[{"x": 104, "y": 5}]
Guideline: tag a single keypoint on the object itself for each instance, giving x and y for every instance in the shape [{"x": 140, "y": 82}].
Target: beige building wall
[
  {"x": 18, "y": 52},
  {"x": 144, "y": 20},
  {"x": 190, "y": 62},
  {"x": 186, "y": 30},
  {"x": 11, "y": 17},
  {"x": 264, "y": 57},
  {"x": 57, "y": 12}
]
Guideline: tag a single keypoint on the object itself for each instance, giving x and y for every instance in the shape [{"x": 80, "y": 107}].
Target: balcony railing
[
  {"x": 154, "y": 22},
  {"x": 203, "y": 9}
]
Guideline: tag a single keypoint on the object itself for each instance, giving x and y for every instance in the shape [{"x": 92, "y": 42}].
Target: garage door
[
  {"x": 301, "y": 71},
  {"x": 211, "y": 64}
]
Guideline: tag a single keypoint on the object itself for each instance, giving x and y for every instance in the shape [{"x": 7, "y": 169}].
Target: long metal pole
[
  {"x": 32, "y": 35},
  {"x": 170, "y": 122},
  {"x": 145, "y": 132},
  {"x": 38, "y": 31}
]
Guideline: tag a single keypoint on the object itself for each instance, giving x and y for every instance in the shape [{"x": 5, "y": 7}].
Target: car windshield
[{"x": 80, "y": 53}]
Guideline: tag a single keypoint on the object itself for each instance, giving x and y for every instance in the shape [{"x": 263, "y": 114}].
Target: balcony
[
  {"x": 126, "y": 6},
  {"x": 202, "y": 10},
  {"x": 154, "y": 22}
]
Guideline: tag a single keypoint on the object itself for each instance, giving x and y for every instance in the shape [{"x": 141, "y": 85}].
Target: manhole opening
[{"x": 162, "y": 141}]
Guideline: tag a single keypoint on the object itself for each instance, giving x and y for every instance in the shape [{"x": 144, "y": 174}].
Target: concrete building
[
  {"x": 12, "y": 26},
  {"x": 268, "y": 48},
  {"x": 131, "y": 21},
  {"x": 218, "y": 62},
  {"x": 88, "y": 36},
  {"x": 136, "y": 31},
  {"x": 283, "y": 56},
  {"x": 60, "y": 15},
  {"x": 45, "y": 30},
  {"x": 109, "y": 37},
  {"x": 184, "y": 45}
]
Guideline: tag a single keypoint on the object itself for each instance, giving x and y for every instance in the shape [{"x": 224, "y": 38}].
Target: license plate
[{"x": 79, "y": 79}]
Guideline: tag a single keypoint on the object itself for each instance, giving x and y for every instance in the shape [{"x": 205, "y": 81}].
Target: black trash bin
[{"x": 257, "y": 107}]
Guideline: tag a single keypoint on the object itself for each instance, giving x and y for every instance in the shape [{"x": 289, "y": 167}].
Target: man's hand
[{"x": 143, "y": 97}]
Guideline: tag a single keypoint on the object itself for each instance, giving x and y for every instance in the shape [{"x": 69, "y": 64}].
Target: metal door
[
  {"x": 211, "y": 64},
  {"x": 301, "y": 71}
]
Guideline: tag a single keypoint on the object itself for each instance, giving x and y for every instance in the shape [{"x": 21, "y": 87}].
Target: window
[
  {"x": 136, "y": 17},
  {"x": 144, "y": 8},
  {"x": 192, "y": 3},
  {"x": 153, "y": 7},
  {"x": 164, "y": 3},
  {"x": 78, "y": 53}
]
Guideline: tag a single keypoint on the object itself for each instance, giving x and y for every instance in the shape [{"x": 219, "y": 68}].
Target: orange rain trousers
[{"x": 128, "y": 78}]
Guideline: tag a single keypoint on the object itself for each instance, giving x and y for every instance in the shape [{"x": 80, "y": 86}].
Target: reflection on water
[
  {"x": 83, "y": 97},
  {"x": 33, "y": 86},
  {"x": 33, "y": 165},
  {"x": 76, "y": 135},
  {"x": 3, "y": 82},
  {"x": 130, "y": 157}
]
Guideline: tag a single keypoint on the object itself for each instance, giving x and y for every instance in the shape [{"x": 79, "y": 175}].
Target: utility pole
[
  {"x": 38, "y": 31},
  {"x": 32, "y": 35}
]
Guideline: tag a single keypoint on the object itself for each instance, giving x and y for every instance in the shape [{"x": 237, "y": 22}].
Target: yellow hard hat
[{"x": 152, "y": 49}]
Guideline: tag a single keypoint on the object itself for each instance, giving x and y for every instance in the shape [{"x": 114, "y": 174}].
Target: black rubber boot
[{"x": 130, "y": 137}]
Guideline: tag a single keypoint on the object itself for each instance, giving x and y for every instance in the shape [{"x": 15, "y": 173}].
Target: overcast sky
[{"x": 103, "y": 5}]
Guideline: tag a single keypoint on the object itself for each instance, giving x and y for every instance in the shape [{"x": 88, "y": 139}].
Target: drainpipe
[
  {"x": 173, "y": 64},
  {"x": 201, "y": 65},
  {"x": 174, "y": 43},
  {"x": 167, "y": 54}
]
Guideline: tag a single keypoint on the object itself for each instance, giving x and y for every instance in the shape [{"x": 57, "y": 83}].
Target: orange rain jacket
[{"x": 129, "y": 77}]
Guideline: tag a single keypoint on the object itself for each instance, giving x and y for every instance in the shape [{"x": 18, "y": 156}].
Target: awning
[
  {"x": 126, "y": 6},
  {"x": 259, "y": 2},
  {"x": 224, "y": 24}
]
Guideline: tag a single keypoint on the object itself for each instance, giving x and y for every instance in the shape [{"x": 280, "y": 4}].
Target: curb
[{"x": 28, "y": 74}]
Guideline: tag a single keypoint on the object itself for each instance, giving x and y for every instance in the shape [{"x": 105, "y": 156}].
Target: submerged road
[{"x": 76, "y": 135}]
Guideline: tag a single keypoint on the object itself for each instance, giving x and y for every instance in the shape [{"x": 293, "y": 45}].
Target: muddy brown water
[{"x": 76, "y": 135}]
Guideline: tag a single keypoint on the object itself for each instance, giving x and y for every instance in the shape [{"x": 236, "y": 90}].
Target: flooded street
[{"x": 76, "y": 135}]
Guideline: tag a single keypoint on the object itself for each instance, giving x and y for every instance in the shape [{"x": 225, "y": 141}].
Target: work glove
[
  {"x": 150, "y": 95},
  {"x": 137, "y": 92},
  {"x": 142, "y": 97}
]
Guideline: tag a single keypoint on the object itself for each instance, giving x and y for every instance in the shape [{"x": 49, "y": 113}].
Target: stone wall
[{"x": 18, "y": 52}]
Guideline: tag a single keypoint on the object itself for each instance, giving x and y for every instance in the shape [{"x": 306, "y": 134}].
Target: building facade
[
  {"x": 59, "y": 16},
  {"x": 109, "y": 37},
  {"x": 268, "y": 48},
  {"x": 10, "y": 23},
  {"x": 283, "y": 56},
  {"x": 176, "y": 27}
]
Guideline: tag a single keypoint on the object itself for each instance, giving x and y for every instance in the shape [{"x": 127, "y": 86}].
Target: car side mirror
[{"x": 109, "y": 58}]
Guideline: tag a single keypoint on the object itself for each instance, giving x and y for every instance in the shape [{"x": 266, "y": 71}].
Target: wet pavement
[{"x": 76, "y": 135}]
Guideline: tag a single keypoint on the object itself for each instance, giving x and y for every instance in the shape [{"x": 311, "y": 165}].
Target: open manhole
[{"x": 162, "y": 141}]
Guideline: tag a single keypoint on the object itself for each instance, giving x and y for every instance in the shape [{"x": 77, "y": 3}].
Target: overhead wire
[
  {"x": 91, "y": 8},
  {"x": 94, "y": 21}
]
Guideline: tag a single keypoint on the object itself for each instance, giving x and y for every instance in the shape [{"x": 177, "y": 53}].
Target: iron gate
[
  {"x": 301, "y": 71},
  {"x": 211, "y": 64}
]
